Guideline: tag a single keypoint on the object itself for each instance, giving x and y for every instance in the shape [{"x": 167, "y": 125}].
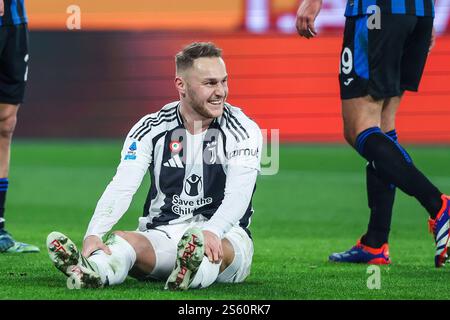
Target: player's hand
[
  {"x": 433, "y": 40},
  {"x": 213, "y": 247},
  {"x": 93, "y": 243},
  {"x": 306, "y": 15},
  {"x": 2, "y": 8}
]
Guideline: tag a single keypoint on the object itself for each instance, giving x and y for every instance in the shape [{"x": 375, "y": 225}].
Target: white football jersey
[{"x": 188, "y": 172}]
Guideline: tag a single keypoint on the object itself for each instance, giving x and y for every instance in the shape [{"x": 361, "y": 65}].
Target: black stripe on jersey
[
  {"x": 152, "y": 192},
  {"x": 385, "y": 5},
  {"x": 360, "y": 8},
  {"x": 150, "y": 120},
  {"x": 154, "y": 142},
  {"x": 236, "y": 121},
  {"x": 20, "y": 10},
  {"x": 180, "y": 120},
  {"x": 227, "y": 123},
  {"x": 166, "y": 187},
  {"x": 224, "y": 137},
  {"x": 428, "y": 7},
  {"x": 171, "y": 180},
  {"x": 227, "y": 117},
  {"x": 155, "y": 125},
  {"x": 245, "y": 220},
  {"x": 214, "y": 178},
  {"x": 7, "y": 16},
  {"x": 410, "y": 7}
]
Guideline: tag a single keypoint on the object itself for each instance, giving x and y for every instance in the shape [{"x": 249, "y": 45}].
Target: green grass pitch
[{"x": 315, "y": 205}]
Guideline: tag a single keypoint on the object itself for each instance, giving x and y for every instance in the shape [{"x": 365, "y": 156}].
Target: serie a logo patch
[{"x": 131, "y": 154}]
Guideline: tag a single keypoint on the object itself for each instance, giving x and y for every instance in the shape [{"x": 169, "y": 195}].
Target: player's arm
[
  {"x": 2, "y": 8},
  {"x": 241, "y": 179},
  {"x": 306, "y": 15},
  {"x": 116, "y": 199},
  {"x": 238, "y": 193}
]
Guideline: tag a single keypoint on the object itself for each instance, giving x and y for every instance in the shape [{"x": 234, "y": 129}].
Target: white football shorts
[{"x": 164, "y": 240}]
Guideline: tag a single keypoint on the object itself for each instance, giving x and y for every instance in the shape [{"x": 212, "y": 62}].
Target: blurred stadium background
[{"x": 95, "y": 82}]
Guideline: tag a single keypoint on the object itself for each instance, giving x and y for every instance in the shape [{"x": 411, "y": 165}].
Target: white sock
[
  {"x": 206, "y": 275},
  {"x": 113, "y": 269}
]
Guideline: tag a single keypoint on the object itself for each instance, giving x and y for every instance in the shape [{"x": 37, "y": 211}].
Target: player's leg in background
[
  {"x": 381, "y": 195},
  {"x": 394, "y": 165},
  {"x": 391, "y": 160},
  {"x": 390, "y": 72},
  {"x": 8, "y": 119},
  {"x": 13, "y": 77},
  {"x": 359, "y": 114},
  {"x": 402, "y": 172}
]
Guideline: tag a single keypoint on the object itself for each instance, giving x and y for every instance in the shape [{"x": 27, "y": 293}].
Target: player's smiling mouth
[{"x": 215, "y": 102}]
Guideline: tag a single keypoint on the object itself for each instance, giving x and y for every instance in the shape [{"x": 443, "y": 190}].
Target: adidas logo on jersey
[{"x": 174, "y": 162}]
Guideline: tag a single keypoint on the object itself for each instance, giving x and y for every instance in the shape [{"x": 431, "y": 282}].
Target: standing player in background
[
  {"x": 378, "y": 63},
  {"x": 13, "y": 77}
]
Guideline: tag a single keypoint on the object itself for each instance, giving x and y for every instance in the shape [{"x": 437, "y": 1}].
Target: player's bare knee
[
  {"x": 7, "y": 126},
  {"x": 128, "y": 236},
  {"x": 228, "y": 254},
  {"x": 349, "y": 135},
  {"x": 145, "y": 255},
  {"x": 388, "y": 119},
  {"x": 121, "y": 234}
]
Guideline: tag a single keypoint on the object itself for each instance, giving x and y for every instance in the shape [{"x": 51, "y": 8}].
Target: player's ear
[{"x": 180, "y": 85}]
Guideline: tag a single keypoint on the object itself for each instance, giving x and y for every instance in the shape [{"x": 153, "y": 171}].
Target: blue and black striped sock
[
  {"x": 392, "y": 134},
  {"x": 394, "y": 165},
  {"x": 3, "y": 188},
  {"x": 380, "y": 196}
]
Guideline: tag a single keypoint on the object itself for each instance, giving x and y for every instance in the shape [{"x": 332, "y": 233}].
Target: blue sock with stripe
[
  {"x": 392, "y": 134},
  {"x": 3, "y": 188},
  {"x": 380, "y": 197},
  {"x": 394, "y": 165}
]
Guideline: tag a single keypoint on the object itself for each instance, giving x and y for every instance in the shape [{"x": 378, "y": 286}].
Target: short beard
[{"x": 198, "y": 107}]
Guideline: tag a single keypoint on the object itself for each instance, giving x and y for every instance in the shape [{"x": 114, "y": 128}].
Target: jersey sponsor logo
[
  {"x": 243, "y": 152},
  {"x": 193, "y": 185},
  {"x": 174, "y": 162},
  {"x": 185, "y": 207},
  {"x": 131, "y": 155}
]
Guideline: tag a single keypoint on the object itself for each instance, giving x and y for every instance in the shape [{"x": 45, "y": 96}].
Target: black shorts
[
  {"x": 384, "y": 62},
  {"x": 13, "y": 63}
]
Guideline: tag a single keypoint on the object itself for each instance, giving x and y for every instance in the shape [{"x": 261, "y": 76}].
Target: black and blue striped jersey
[
  {"x": 421, "y": 8},
  {"x": 14, "y": 13}
]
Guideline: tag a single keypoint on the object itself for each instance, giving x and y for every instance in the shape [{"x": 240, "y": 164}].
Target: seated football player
[{"x": 203, "y": 157}]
